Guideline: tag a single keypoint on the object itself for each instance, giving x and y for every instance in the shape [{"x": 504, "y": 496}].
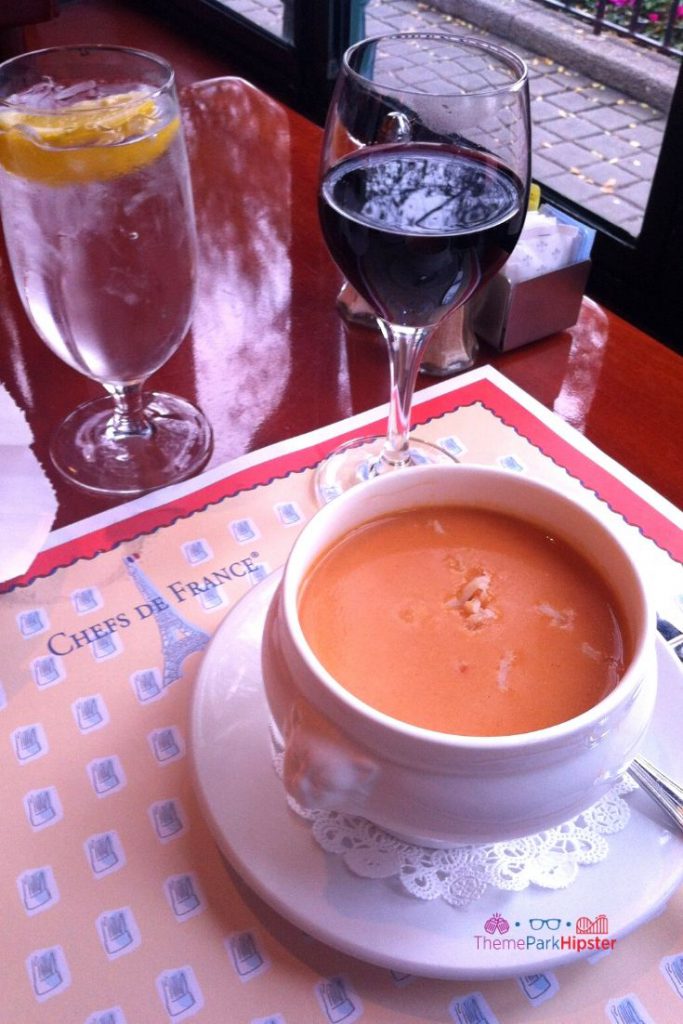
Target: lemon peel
[{"x": 92, "y": 140}]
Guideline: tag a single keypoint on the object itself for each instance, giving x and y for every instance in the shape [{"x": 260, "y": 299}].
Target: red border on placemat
[{"x": 634, "y": 509}]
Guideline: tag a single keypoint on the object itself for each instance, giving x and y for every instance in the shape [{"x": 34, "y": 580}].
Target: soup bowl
[{"x": 439, "y": 788}]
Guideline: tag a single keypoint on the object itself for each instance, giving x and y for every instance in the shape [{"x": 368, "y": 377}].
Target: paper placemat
[{"x": 117, "y": 907}]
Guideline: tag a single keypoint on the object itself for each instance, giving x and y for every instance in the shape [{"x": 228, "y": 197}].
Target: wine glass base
[
  {"x": 93, "y": 456},
  {"x": 364, "y": 458}
]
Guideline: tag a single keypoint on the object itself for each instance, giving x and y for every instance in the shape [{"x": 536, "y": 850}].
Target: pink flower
[{"x": 653, "y": 17}]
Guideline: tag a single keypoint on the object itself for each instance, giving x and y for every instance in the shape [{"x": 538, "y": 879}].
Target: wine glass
[
  {"x": 98, "y": 217},
  {"x": 424, "y": 187}
]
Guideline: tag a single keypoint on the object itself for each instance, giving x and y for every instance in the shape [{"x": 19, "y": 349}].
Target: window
[
  {"x": 290, "y": 47},
  {"x": 293, "y": 47},
  {"x": 642, "y": 277}
]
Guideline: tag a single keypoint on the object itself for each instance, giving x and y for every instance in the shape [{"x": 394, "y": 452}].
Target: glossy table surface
[{"x": 268, "y": 356}]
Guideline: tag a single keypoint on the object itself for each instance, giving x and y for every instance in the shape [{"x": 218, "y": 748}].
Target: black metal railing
[{"x": 654, "y": 23}]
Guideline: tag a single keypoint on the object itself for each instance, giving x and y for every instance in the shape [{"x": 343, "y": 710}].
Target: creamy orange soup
[{"x": 464, "y": 621}]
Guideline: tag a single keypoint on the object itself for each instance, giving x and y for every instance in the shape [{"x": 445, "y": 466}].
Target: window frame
[
  {"x": 641, "y": 278},
  {"x": 301, "y": 72}
]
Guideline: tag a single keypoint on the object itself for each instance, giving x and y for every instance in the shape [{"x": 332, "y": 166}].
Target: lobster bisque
[{"x": 464, "y": 621}]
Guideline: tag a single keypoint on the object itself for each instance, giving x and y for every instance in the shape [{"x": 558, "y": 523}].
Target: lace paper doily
[{"x": 461, "y": 874}]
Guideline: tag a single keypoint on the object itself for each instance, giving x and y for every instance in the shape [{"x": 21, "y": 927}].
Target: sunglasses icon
[{"x": 553, "y": 923}]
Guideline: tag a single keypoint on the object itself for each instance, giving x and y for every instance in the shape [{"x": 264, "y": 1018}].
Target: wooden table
[{"x": 268, "y": 356}]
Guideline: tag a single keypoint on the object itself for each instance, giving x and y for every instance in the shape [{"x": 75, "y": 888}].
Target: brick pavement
[{"x": 593, "y": 143}]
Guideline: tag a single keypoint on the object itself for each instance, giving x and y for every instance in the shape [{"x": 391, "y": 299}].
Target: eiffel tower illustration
[{"x": 178, "y": 637}]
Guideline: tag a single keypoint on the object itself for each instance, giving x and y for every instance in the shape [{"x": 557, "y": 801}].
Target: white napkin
[
  {"x": 27, "y": 501},
  {"x": 545, "y": 244}
]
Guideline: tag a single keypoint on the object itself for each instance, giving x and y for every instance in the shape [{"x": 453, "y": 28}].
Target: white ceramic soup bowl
[{"x": 434, "y": 788}]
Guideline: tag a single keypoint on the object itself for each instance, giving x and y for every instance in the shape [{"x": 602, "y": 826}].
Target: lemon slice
[{"x": 92, "y": 140}]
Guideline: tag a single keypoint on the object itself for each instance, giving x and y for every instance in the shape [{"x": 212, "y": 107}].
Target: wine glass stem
[
  {"x": 129, "y": 414},
  {"x": 406, "y": 346}
]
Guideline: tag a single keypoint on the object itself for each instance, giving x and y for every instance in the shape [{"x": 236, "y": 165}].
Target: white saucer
[{"x": 274, "y": 852}]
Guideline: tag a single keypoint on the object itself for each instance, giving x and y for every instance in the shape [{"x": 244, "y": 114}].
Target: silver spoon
[{"x": 666, "y": 793}]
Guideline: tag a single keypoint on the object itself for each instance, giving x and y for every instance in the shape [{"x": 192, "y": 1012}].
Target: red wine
[{"x": 417, "y": 228}]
